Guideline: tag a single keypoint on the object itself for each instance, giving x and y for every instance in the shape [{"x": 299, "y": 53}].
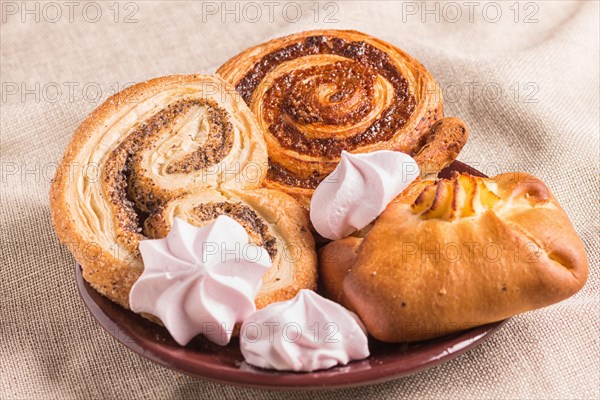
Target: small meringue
[
  {"x": 200, "y": 280},
  {"x": 305, "y": 333},
  {"x": 358, "y": 190}
]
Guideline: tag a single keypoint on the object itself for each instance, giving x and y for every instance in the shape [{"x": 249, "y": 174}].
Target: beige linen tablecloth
[{"x": 524, "y": 76}]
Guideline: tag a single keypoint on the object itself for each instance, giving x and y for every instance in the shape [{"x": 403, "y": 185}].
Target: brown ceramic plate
[{"x": 206, "y": 360}]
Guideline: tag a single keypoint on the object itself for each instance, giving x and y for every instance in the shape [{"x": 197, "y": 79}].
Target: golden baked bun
[
  {"x": 320, "y": 92},
  {"x": 455, "y": 254},
  {"x": 176, "y": 146}
]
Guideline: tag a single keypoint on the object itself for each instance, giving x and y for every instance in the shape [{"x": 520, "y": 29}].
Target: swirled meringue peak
[
  {"x": 358, "y": 190},
  {"x": 200, "y": 280},
  {"x": 305, "y": 333}
]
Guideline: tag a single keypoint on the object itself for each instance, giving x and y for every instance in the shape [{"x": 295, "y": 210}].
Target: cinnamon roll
[
  {"x": 320, "y": 92},
  {"x": 176, "y": 146}
]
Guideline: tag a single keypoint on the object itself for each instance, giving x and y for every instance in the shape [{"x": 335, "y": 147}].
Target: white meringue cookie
[
  {"x": 305, "y": 333},
  {"x": 358, "y": 190},
  {"x": 200, "y": 280}
]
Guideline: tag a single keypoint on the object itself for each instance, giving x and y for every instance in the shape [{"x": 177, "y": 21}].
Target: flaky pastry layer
[
  {"x": 149, "y": 150},
  {"x": 317, "y": 93}
]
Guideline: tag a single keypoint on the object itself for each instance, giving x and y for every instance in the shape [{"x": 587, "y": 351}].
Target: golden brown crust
[
  {"x": 272, "y": 219},
  {"x": 301, "y": 195},
  {"x": 296, "y": 244},
  {"x": 460, "y": 257},
  {"x": 310, "y": 111},
  {"x": 336, "y": 260},
  {"x": 442, "y": 144},
  {"x": 157, "y": 142}
]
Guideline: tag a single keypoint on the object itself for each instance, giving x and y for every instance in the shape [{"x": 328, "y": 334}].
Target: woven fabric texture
[{"x": 524, "y": 76}]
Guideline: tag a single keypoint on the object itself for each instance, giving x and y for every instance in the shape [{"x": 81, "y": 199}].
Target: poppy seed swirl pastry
[
  {"x": 455, "y": 253},
  {"x": 317, "y": 93},
  {"x": 175, "y": 146}
]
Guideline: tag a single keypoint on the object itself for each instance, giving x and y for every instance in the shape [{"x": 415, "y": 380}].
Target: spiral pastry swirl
[
  {"x": 320, "y": 92},
  {"x": 176, "y": 146}
]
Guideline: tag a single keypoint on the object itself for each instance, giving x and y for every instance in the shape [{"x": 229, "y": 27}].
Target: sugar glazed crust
[
  {"x": 320, "y": 92},
  {"x": 175, "y": 146}
]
